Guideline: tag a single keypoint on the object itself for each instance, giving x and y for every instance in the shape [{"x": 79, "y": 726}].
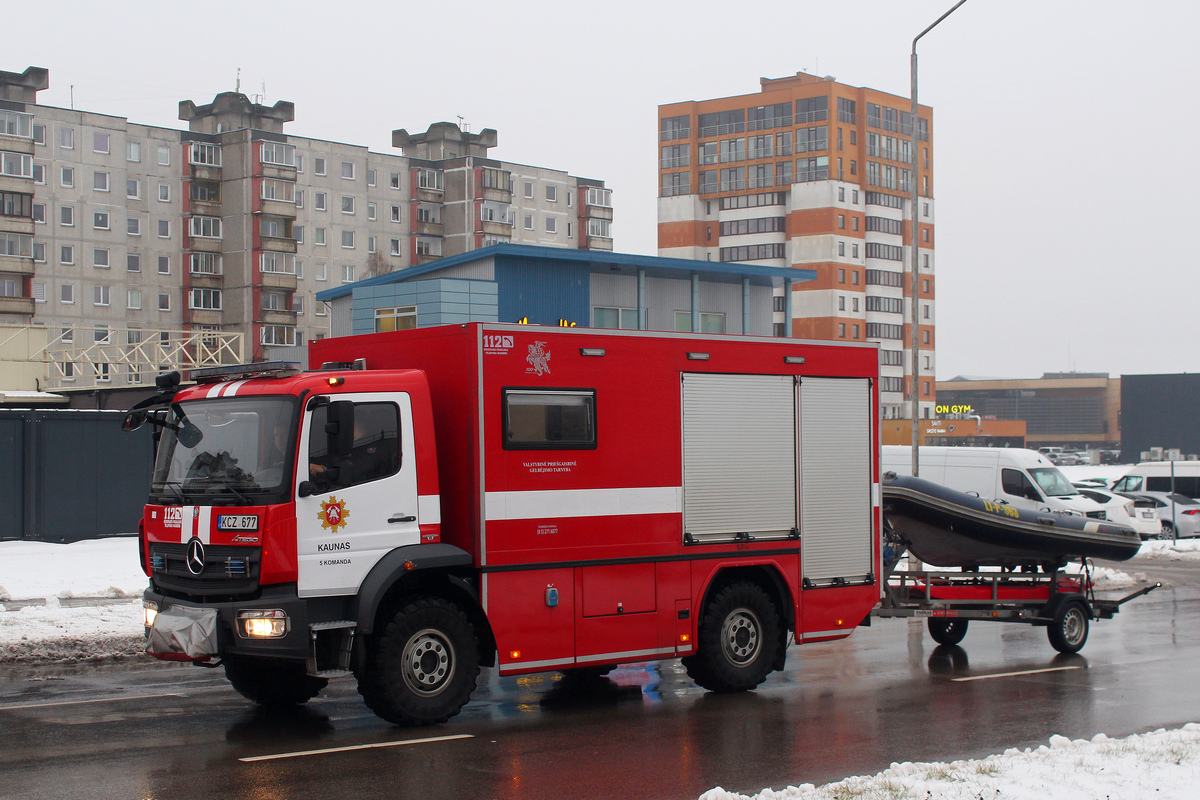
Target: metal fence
[{"x": 67, "y": 475}]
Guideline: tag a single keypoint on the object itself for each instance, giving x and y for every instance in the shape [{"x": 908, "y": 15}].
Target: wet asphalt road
[{"x": 853, "y": 707}]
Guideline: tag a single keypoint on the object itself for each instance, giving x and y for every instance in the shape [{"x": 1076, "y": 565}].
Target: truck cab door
[
  {"x": 1019, "y": 490},
  {"x": 354, "y": 508}
]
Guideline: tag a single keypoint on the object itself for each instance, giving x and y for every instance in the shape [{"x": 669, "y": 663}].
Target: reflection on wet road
[{"x": 851, "y": 707}]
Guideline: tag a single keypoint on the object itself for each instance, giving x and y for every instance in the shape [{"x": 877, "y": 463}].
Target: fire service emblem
[
  {"x": 538, "y": 358},
  {"x": 333, "y": 514}
]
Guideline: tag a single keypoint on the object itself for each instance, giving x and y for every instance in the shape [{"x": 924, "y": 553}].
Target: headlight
[
  {"x": 149, "y": 612},
  {"x": 270, "y": 623}
]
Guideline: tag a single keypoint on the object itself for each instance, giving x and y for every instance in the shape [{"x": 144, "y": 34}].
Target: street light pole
[{"x": 915, "y": 295}]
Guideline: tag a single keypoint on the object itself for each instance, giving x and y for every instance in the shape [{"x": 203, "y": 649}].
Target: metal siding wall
[
  {"x": 835, "y": 478},
  {"x": 723, "y": 298},
  {"x": 762, "y": 311},
  {"x": 665, "y": 296},
  {"x": 545, "y": 293},
  {"x": 739, "y": 455},
  {"x": 614, "y": 290},
  {"x": 12, "y": 476},
  {"x": 87, "y": 477}
]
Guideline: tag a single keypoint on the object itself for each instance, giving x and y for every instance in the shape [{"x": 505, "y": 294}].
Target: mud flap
[{"x": 183, "y": 634}]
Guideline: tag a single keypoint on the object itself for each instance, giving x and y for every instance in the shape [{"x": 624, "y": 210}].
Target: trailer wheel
[
  {"x": 739, "y": 638},
  {"x": 947, "y": 631},
  {"x": 1069, "y": 631},
  {"x": 273, "y": 682},
  {"x": 421, "y": 667}
]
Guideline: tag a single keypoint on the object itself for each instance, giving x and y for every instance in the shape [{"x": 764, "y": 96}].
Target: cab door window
[
  {"x": 375, "y": 452},
  {"x": 1015, "y": 482}
]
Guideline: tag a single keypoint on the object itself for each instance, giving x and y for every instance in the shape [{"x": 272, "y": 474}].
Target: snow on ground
[
  {"x": 1161, "y": 765},
  {"x": 1106, "y": 472}
]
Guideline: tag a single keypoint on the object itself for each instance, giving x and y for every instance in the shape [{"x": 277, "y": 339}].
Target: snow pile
[
  {"x": 1160, "y": 765},
  {"x": 52, "y": 634},
  {"x": 91, "y": 568},
  {"x": 1180, "y": 550}
]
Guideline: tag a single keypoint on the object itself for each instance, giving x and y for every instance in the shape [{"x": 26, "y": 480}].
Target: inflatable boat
[{"x": 947, "y": 528}]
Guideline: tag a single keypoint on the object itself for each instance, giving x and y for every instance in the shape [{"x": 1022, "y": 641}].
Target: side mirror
[
  {"x": 340, "y": 428},
  {"x": 133, "y": 420},
  {"x": 188, "y": 434},
  {"x": 306, "y": 488}
]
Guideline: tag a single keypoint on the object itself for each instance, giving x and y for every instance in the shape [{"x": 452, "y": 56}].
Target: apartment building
[
  {"x": 815, "y": 174},
  {"x": 127, "y": 248}
]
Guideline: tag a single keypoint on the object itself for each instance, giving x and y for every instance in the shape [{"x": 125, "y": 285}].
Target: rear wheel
[
  {"x": 272, "y": 682},
  {"x": 421, "y": 667},
  {"x": 947, "y": 631},
  {"x": 1167, "y": 532},
  {"x": 739, "y": 639},
  {"x": 1069, "y": 631}
]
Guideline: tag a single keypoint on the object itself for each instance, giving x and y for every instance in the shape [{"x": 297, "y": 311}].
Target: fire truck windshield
[{"x": 226, "y": 451}]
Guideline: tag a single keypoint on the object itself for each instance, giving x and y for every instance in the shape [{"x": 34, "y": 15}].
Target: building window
[
  {"x": 164, "y": 301},
  {"x": 205, "y": 299},
  {"x": 321, "y": 273},
  {"x": 133, "y": 189},
  {"x": 164, "y": 265},
  {"x": 205, "y": 227},
  {"x": 133, "y": 151},
  {"x": 100, "y": 181},
  {"x": 319, "y": 201},
  {"x": 283, "y": 155},
  {"x": 164, "y": 156},
  {"x": 371, "y": 211},
  {"x": 274, "y": 227},
  {"x": 619, "y": 318},
  {"x": 202, "y": 154},
  {"x": 66, "y": 138},
  {"x": 348, "y": 170},
  {"x": 205, "y": 263},
  {"x": 347, "y": 240},
  {"x": 854, "y": 331},
  {"x": 100, "y": 220},
  {"x": 100, "y": 258},
  {"x": 133, "y": 262},
  {"x": 66, "y": 216},
  {"x": 67, "y": 295},
  {"x": 395, "y": 247},
  {"x": 39, "y": 252},
  {"x": 841, "y": 330},
  {"x": 318, "y": 165},
  {"x": 66, "y": 177},
  {"x": 400, "y": 318},
  {"x": 66, "y": 254},
  {"x": 394, "y": 180},
  {"x": 319, "y": 237},
  {"x": 133, "y": 299},
  {"x": 279, "y": 263},
  {"x": 370, "y": 177},
  {"x": 100, "y": 295},
  {"x": 133, "y": 226},
  {"x": 370, "y": 244},
  {"x": 282, "y": 335},
  {"x": 39, "y": 134},
  {"x": 347, "y": 273},
  {"x": 164, "y": 229},
  {"x": 347, "y": 204},
  {"x": 298, "y": 304},
  {"x": 551, "y": 225},
  {"x": 429, "y": 179},
  {"x": 284, "y": 191},
  {"x": 529, "y": 190},
  {"x": 841, "y": 302},
  {"x": 551, "y": 193},
  {"x": 529, "y": 222}
]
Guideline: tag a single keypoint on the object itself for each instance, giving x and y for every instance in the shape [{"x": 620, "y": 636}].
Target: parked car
[
  {"x": 1180, "y": 515},
  {"x": 1123, "y": 510}
]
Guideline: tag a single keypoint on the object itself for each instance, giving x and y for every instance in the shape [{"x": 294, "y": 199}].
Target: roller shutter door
[
  {"x": 835, "y": 480},
  {"x": 739, "y": 456}
]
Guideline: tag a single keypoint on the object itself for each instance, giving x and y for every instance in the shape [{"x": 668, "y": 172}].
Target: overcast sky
[{"x": 1064, "y": 166}]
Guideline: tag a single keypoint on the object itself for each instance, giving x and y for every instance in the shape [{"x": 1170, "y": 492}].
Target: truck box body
[{"x": 606, "y": 526}]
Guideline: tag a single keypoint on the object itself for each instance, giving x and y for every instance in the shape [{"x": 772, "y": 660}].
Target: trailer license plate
[{"x": 237, "y": 522}]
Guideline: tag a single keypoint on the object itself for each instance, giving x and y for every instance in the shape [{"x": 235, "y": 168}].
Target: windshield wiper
[{"x": 174, "y": 486}]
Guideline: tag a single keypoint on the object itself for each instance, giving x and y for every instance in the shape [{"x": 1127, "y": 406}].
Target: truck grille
[{"x": 228, "y": 570}]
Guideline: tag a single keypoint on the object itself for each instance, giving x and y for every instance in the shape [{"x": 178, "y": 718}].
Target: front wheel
[
  {"x": 739, "y": 639},
  {"x": 947, "y": 631},
  {"x": 1069, "y": 630},
  {"x": 273, "y": 682},
  {"x": 421, "y": 667}
]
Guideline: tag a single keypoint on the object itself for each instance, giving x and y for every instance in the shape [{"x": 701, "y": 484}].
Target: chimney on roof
[{"x": 22, "y": 87}]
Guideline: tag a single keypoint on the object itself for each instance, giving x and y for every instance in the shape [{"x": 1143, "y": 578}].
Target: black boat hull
[{"x": 947, "y": 528}]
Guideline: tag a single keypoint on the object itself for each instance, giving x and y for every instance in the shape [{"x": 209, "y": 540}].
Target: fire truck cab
[{"x": 423, "y": 503}]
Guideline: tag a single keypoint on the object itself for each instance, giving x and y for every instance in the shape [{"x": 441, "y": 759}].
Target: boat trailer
[{"x": 948, "y": 598}]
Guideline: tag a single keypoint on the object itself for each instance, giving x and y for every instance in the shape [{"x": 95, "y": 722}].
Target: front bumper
[{"x": 175, "y": 639}]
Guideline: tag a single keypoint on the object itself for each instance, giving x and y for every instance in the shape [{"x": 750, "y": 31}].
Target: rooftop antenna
[
  {"x": 72, "y": 97},
  {"x": 237, "y": 87}
]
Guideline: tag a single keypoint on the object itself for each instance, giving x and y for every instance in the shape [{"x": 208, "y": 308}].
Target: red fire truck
[{"x": 422, "y": 503}]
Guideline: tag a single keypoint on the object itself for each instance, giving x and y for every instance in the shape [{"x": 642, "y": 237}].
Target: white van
[
  {"x": 1155, "y": 476},
  {"x": 1021, "y": 478}
]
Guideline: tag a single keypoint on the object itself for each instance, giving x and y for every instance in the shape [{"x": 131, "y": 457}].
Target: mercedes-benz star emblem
[{"x": 195, "y": 556}]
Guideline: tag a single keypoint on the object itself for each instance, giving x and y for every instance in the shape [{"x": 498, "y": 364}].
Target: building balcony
[
  {"x": 679, "y": 133},
  {"x": 277, "y": 317},
  {"x": 16, "y": 144},
  {"x": 278, "y": 245},
  {"x": 425, "y": 258},
  {"x": 16, "y": 265},
  {"x": 203, "y": 280},
  {"x": 431, "y": 229},
  {"x": 674, "y": 163},
  {"x": 207, "y": 208},
  {"x": 10, "y": 183},
  {"x": 494, "y": 228},
  {"x": 278, "y": 208},
  {"x": 202, "y": 245},
  {"x": 431, "y": 195},
  {"x": 17, "y": 225},
  {"x": 205, "y": 172},
  {"x": 205, "y": 316},
  {"x": 277, "y": 280},
  {"x": 17, "y": 305},
  {"x": 599, "y": 212},
  {"x": 497, "y": 195},
  {"x": 599, "y": 243},
  {"x": 278, "y": 171}
]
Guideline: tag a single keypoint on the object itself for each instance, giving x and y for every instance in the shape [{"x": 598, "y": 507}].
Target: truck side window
[
  {"x": 1014, "y": 482},
  {"x": 375, "y": 454},
  {"x": 549, "y": 419}
]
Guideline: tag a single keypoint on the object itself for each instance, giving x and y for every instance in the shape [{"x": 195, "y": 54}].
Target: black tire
[
  {"x": 947, "y": 631},
  {"x": 273, "y": 682},
  {"x": 739, "y": 640},
  {"x": 1069, "y": 630},
  {"x": 421, "y": 665}
]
